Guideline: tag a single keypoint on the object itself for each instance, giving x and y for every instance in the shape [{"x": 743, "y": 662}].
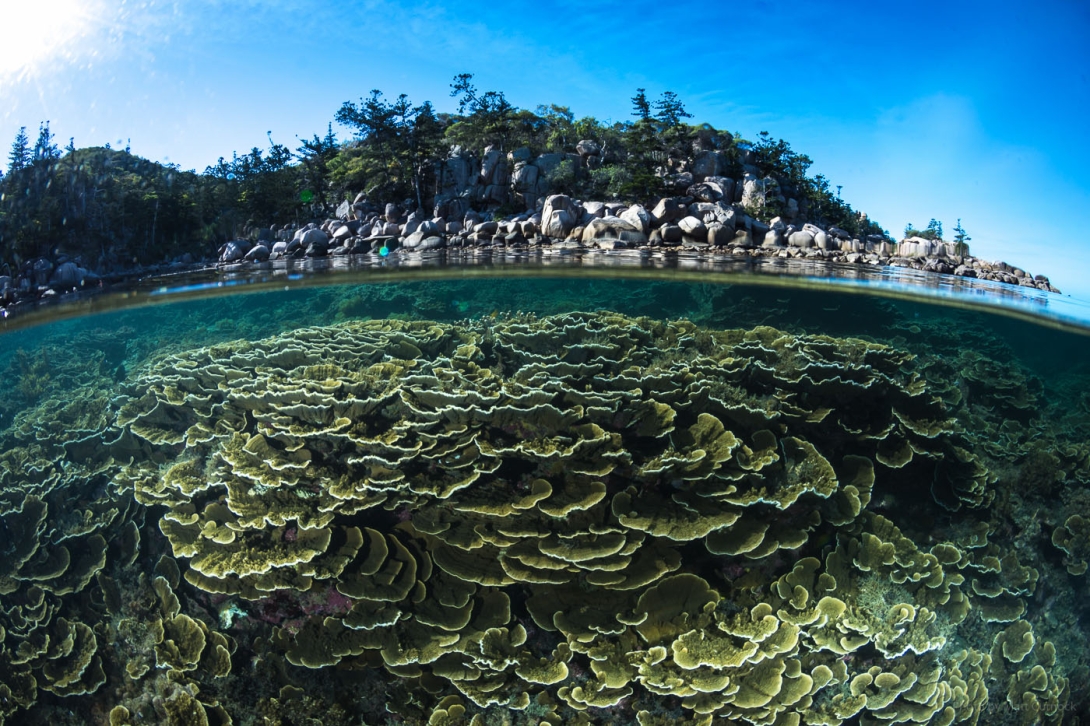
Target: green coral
[{"x": 575, "y": 517}]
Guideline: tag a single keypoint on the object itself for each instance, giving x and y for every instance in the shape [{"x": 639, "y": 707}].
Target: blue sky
[{"x": 955, "y": 109}]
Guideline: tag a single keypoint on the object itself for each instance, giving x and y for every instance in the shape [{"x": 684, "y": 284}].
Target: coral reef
[
  {"x": 576, "y": 518},
  {"x": 57, "y": 522}
]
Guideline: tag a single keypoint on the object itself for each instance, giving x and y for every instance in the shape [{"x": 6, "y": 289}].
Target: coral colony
[{"x": 574, "y": 519}]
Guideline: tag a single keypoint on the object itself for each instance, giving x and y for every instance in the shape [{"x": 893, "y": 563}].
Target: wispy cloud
[{"x": 52, "y": 37}]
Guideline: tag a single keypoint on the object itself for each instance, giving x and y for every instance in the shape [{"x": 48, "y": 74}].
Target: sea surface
[{"x": 510, "y": 490}]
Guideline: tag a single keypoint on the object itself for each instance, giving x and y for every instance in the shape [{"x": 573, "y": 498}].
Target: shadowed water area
[{"x": 584, "y": 492}]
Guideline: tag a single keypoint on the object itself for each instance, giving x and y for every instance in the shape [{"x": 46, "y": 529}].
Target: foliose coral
[{"x": 571, "y": 519}]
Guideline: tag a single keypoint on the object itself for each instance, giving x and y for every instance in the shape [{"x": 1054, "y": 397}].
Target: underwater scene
[{"x": 581, "y": 500}]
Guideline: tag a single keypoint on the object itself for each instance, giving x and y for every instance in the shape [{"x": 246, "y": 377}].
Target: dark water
[{"x": 479, "y": 500}]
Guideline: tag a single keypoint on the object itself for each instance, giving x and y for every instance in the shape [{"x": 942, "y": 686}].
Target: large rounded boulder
[{"x": 613, "y": 232}]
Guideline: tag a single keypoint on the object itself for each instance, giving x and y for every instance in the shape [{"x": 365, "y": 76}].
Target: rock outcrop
[
  {"x": 671, "y": 225},
  {"x": 717, "y": 205}
]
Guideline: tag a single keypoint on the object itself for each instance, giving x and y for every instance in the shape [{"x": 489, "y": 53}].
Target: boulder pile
[
  {"x": 716, "y": 204},
  {"x": 701, "y": 221}
]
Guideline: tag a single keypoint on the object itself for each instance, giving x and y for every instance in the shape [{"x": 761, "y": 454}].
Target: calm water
[{"x": 512, "y": 499}]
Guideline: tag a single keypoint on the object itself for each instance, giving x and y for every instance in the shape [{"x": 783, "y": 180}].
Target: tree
[
  {"x": 44, "y": 148},
  {"x": 111, "y": 206},
  {"x": 961, "y": 239},
  {"x": 558, "y": 125},
  {"x": 637, "y": 178},
  {"x": 670, "y": 110},
  {"x": 315, "y": 155},
  {"x": 255, "y": 188},
  {"x": 381, "y": 159},
  {"x": 425, "y": 147},
  {"x": 486, "y": 117},
  {"x": 960, "y": 234},
  {"x": 19, "y": 157},
  {"x": 267, "y": 191},
  {"x": 933, "y": 231},
  {"x": 106, "y": 206},
  {"x": 675, "y": 135},
  {"x": 641, "y": 108},
  {"x": 777, "y": 158}
]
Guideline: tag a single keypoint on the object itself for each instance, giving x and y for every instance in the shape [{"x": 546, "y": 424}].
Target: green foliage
[
  {"x": 381, "y": 152},
  {"x": 426, "y": 144},
  {"x": 644, "y": 152},
  {"x": 935, "y": 229},
  {"x": 44, "y": 148},
  {"x": 112, "y": 207},
  {"x": 19, "y": 157},
  {"x": 611, "y": 181},
  {"x": 775, "y": 157},
  {"x": 487, "y": 118},
  {"x": 961, "y": 239},
  {"x": 932, "y": 232},
  {"x": 105, "y": 206},
  {"x": 670, "y": 110},
  {"x": 314, "y": 157},
  {"x": 557, "y": 128},
  {"x": 562, "y": 177},
  {"x": 817, "y": 202},
  {"x": 641, "y": 108},
  {"x": 396, "y": 143},
  {"x": 256, "y": 188},
  {"x": 673, "y": 133},
  {"x": 959, "y": 233}
]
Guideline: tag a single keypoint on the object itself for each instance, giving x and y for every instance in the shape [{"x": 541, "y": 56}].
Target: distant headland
[{"x": 413, "y": 179}]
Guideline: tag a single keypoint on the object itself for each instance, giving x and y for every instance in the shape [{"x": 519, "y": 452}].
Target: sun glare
[{"x": 41, "y": 33}]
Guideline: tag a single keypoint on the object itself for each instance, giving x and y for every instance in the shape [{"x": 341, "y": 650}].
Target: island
[{"x": 411, "y": 179}]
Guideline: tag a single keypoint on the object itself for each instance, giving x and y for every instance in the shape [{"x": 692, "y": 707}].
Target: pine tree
[
  {"x": 961, "y": 239},
  {"x": 19, "y": 158},
  {"x": 44, "y": 148},
  {"x": 960, "y": 234},
  {"x": 641, "y": 108},
  {"x": 426, "y": 144},
  {"x": 670, "y": 110},
  {"x": 643, "y": 143},
  {"x": 315, "y": 155},
  {"x": 487, "y": 118},
  {"x": 673, "y": 132}
]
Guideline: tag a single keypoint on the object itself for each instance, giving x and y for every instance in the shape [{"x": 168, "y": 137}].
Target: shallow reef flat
[{"x": 555, "y": 518}]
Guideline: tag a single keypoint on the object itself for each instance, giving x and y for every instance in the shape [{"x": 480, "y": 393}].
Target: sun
[{"x": 40, "y": 33}]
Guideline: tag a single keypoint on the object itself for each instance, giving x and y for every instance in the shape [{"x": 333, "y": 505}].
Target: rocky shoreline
[
  {"x": 704, "y": 191},
  {"x": 709, "y": 213},
  {"x": 674, "y": 223}
]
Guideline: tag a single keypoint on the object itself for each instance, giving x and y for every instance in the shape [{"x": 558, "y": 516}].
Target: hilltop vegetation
[{"x": 112, "y": 208}]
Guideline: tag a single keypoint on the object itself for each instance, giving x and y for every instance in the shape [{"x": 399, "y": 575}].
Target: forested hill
[{"x": 111, "y": 208}]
